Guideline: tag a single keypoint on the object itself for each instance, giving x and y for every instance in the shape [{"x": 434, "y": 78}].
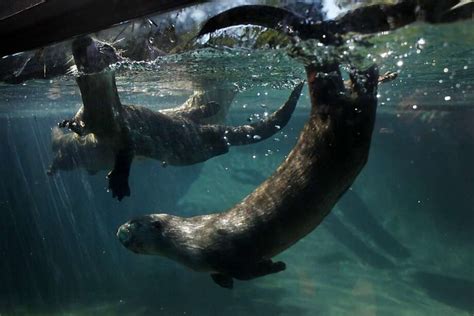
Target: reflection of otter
[
  {"x": 239, "y": 243},
  {"x": 116, "y": 133}
]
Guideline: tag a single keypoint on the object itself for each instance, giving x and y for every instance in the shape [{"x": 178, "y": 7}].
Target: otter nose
[{"x": 124, "y": 234}]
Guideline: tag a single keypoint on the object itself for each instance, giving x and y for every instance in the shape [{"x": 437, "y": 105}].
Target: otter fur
[
  {"x": 239, "y": 243},
  {"x": 181, "y": 136}
]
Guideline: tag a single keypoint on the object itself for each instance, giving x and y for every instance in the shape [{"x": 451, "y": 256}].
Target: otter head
[
  {"x": 174, "y": 237},
  {"x": 149, "y": 234},
  {"x": 92, "y": 56}
]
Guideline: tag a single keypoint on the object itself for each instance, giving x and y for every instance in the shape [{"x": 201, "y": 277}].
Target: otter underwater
[
  {"x": 329, "y": 154},
  {"x": 238, "y": 243},
  {"x": 332, "y": 149}
]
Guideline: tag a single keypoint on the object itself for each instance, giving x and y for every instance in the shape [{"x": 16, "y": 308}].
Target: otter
[
  {"x": 239, "y": 243},
  {"x": 117, "y": 132},
  {"x": 366, "y": 19}
]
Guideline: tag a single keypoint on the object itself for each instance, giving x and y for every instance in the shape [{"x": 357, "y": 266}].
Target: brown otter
[
  {"x": 175, "y": 137},
  {"x": 240, "y": 242},
  {"x": 366, "y": 19}
]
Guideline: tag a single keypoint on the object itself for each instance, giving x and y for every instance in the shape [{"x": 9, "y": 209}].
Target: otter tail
[
  {"x": 261, "y": 15},
  {"x": 253, "y": 133},
  {"x": 279, "y": 19}
]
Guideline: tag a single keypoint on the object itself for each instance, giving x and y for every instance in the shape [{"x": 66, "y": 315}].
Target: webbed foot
[
  {"x": 118, "y": 177},
  {"x": 118, "y": 184}
]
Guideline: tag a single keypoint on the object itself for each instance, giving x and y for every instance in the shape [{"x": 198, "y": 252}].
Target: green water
[{"x": 399, "y": 243}]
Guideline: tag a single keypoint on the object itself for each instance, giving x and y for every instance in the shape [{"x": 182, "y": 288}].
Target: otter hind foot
[
  {"x": 118, "y": 184},
  {"x": 223, "y": 280},
  {"x": 118, "y": 177}
]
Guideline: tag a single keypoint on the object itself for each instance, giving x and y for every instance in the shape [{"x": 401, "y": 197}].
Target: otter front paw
[
  {"x": 74, "y": 126},
  {"x": 118, "y": 184}
]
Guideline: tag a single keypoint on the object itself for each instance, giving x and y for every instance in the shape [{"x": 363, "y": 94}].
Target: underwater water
[{"x": 399, "y": 242}]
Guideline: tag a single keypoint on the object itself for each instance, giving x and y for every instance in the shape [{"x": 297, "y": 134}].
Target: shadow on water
[
  {"x": 342, "y": 233},
  {"x": 452, "y": 291},
  {"x": 358, "y": 214},
  {"x": 247, "y": 176}
]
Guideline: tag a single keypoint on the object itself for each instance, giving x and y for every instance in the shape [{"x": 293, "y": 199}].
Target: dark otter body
[
  {"x": 92, "y": 153},
  {"x": 240, "y": 242},
  {"x": 176, "y": 137},
  {"x": 364, "y": 20}
]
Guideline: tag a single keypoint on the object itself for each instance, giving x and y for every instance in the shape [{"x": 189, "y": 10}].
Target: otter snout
[
  {"x": 132, "y": 235},
  {"x": 91, "y": 56},
  {"x": 145, "y": 235},
  {"x": 124, "y": 234}
]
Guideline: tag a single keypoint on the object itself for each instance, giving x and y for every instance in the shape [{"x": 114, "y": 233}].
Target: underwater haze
[{"x": 399, "y": 242}]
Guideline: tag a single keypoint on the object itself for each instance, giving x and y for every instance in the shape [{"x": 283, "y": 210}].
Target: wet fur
[
  {"x": 240, "y": 242},
  {"x": 181, "y": 136}
]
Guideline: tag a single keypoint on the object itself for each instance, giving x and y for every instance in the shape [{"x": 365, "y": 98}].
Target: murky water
[{"x": 400, "y": 242}]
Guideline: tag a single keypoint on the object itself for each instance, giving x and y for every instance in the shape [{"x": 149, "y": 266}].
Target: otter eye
[{"x": 134, "y": 224}]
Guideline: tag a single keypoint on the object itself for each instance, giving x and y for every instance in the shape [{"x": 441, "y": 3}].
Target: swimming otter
[
  {"x": 240, "y": 242},
  {"x": 366, "y": 19},
  {"x": 175, "y": 137}
]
